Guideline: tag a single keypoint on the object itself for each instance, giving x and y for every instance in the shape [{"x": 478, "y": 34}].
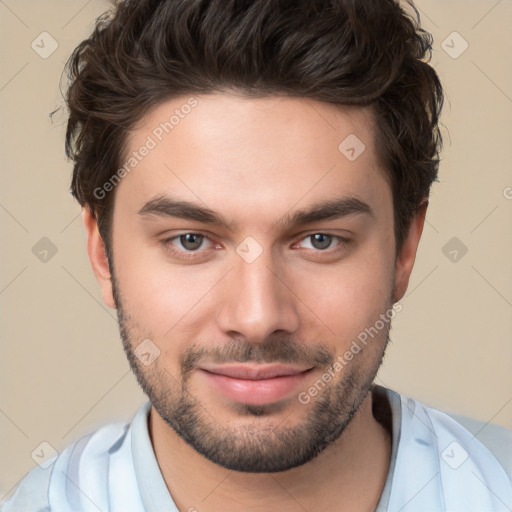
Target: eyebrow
[
  {"x": 326, "y": 210},
  {"x": 165, "y": 206}
]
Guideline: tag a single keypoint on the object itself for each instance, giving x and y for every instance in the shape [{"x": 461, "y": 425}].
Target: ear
[
  {"x": 98, "y": 257},
  {"x": 407, "y": 253}
]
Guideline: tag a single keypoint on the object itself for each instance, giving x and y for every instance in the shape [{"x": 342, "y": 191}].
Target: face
[{"x": 250, "y": 251}]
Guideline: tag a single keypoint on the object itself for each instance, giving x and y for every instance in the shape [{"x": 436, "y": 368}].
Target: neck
[{"x": 348, "y": 475}]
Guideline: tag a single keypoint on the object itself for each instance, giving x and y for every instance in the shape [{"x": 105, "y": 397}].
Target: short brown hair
[{"x": 345, "y": 52}]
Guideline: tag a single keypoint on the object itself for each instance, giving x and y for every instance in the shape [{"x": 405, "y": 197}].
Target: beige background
[{"x": 63, "y": 371}]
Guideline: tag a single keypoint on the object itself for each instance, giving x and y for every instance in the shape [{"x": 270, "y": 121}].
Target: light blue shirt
[{"x": 438, "y": 463}]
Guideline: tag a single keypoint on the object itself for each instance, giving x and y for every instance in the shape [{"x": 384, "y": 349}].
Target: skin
[{"x": 254, "y": 161}]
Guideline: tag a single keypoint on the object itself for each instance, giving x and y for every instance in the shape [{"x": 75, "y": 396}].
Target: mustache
[{"x": 275, "y": 350}]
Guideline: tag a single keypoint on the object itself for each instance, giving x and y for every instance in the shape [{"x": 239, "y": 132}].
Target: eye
[
  {"x": 191, "y": 241},
  {"x": 187, "y": 244},
  {"x": 320, "y": 240},
  {"x": 323, "y": 241}
]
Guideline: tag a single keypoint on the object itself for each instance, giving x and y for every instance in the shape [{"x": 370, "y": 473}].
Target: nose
[{"x": 257, "y": 301}]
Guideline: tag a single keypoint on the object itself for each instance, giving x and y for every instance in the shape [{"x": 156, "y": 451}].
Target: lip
[
  {"x": 255, "y": 372},
  {"x": 255, "y": 384}
]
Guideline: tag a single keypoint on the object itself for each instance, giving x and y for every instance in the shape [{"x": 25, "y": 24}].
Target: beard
[{"x": 257, "y": 444}]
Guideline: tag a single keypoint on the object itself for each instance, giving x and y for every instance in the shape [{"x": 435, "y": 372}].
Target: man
[{"x": 254, "y": 177}]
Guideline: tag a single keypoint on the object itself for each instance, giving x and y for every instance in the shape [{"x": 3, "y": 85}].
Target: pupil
[
  {"x": 191, "y": 241},
  {"x": 321, "y": 241}
]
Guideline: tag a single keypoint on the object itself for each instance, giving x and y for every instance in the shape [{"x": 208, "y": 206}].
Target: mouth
[{"x": 255, "y": 384}]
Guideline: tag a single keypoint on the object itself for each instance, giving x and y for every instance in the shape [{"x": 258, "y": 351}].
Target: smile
[{"x": 255, "y": 384}]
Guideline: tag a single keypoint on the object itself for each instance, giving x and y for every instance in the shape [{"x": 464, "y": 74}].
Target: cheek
[
  {"x": 163, "y": 298},
  {"x": 348, "y": 298}
]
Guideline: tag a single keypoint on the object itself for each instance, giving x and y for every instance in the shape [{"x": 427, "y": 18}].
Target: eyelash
[{"x": 187, "y": 254}]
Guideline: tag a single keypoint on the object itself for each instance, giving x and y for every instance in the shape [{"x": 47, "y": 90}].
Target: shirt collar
[{"x": 153, "y": 490}]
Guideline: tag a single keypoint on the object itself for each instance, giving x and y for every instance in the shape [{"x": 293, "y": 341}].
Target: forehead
[{"x": 242, "y": 156}]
